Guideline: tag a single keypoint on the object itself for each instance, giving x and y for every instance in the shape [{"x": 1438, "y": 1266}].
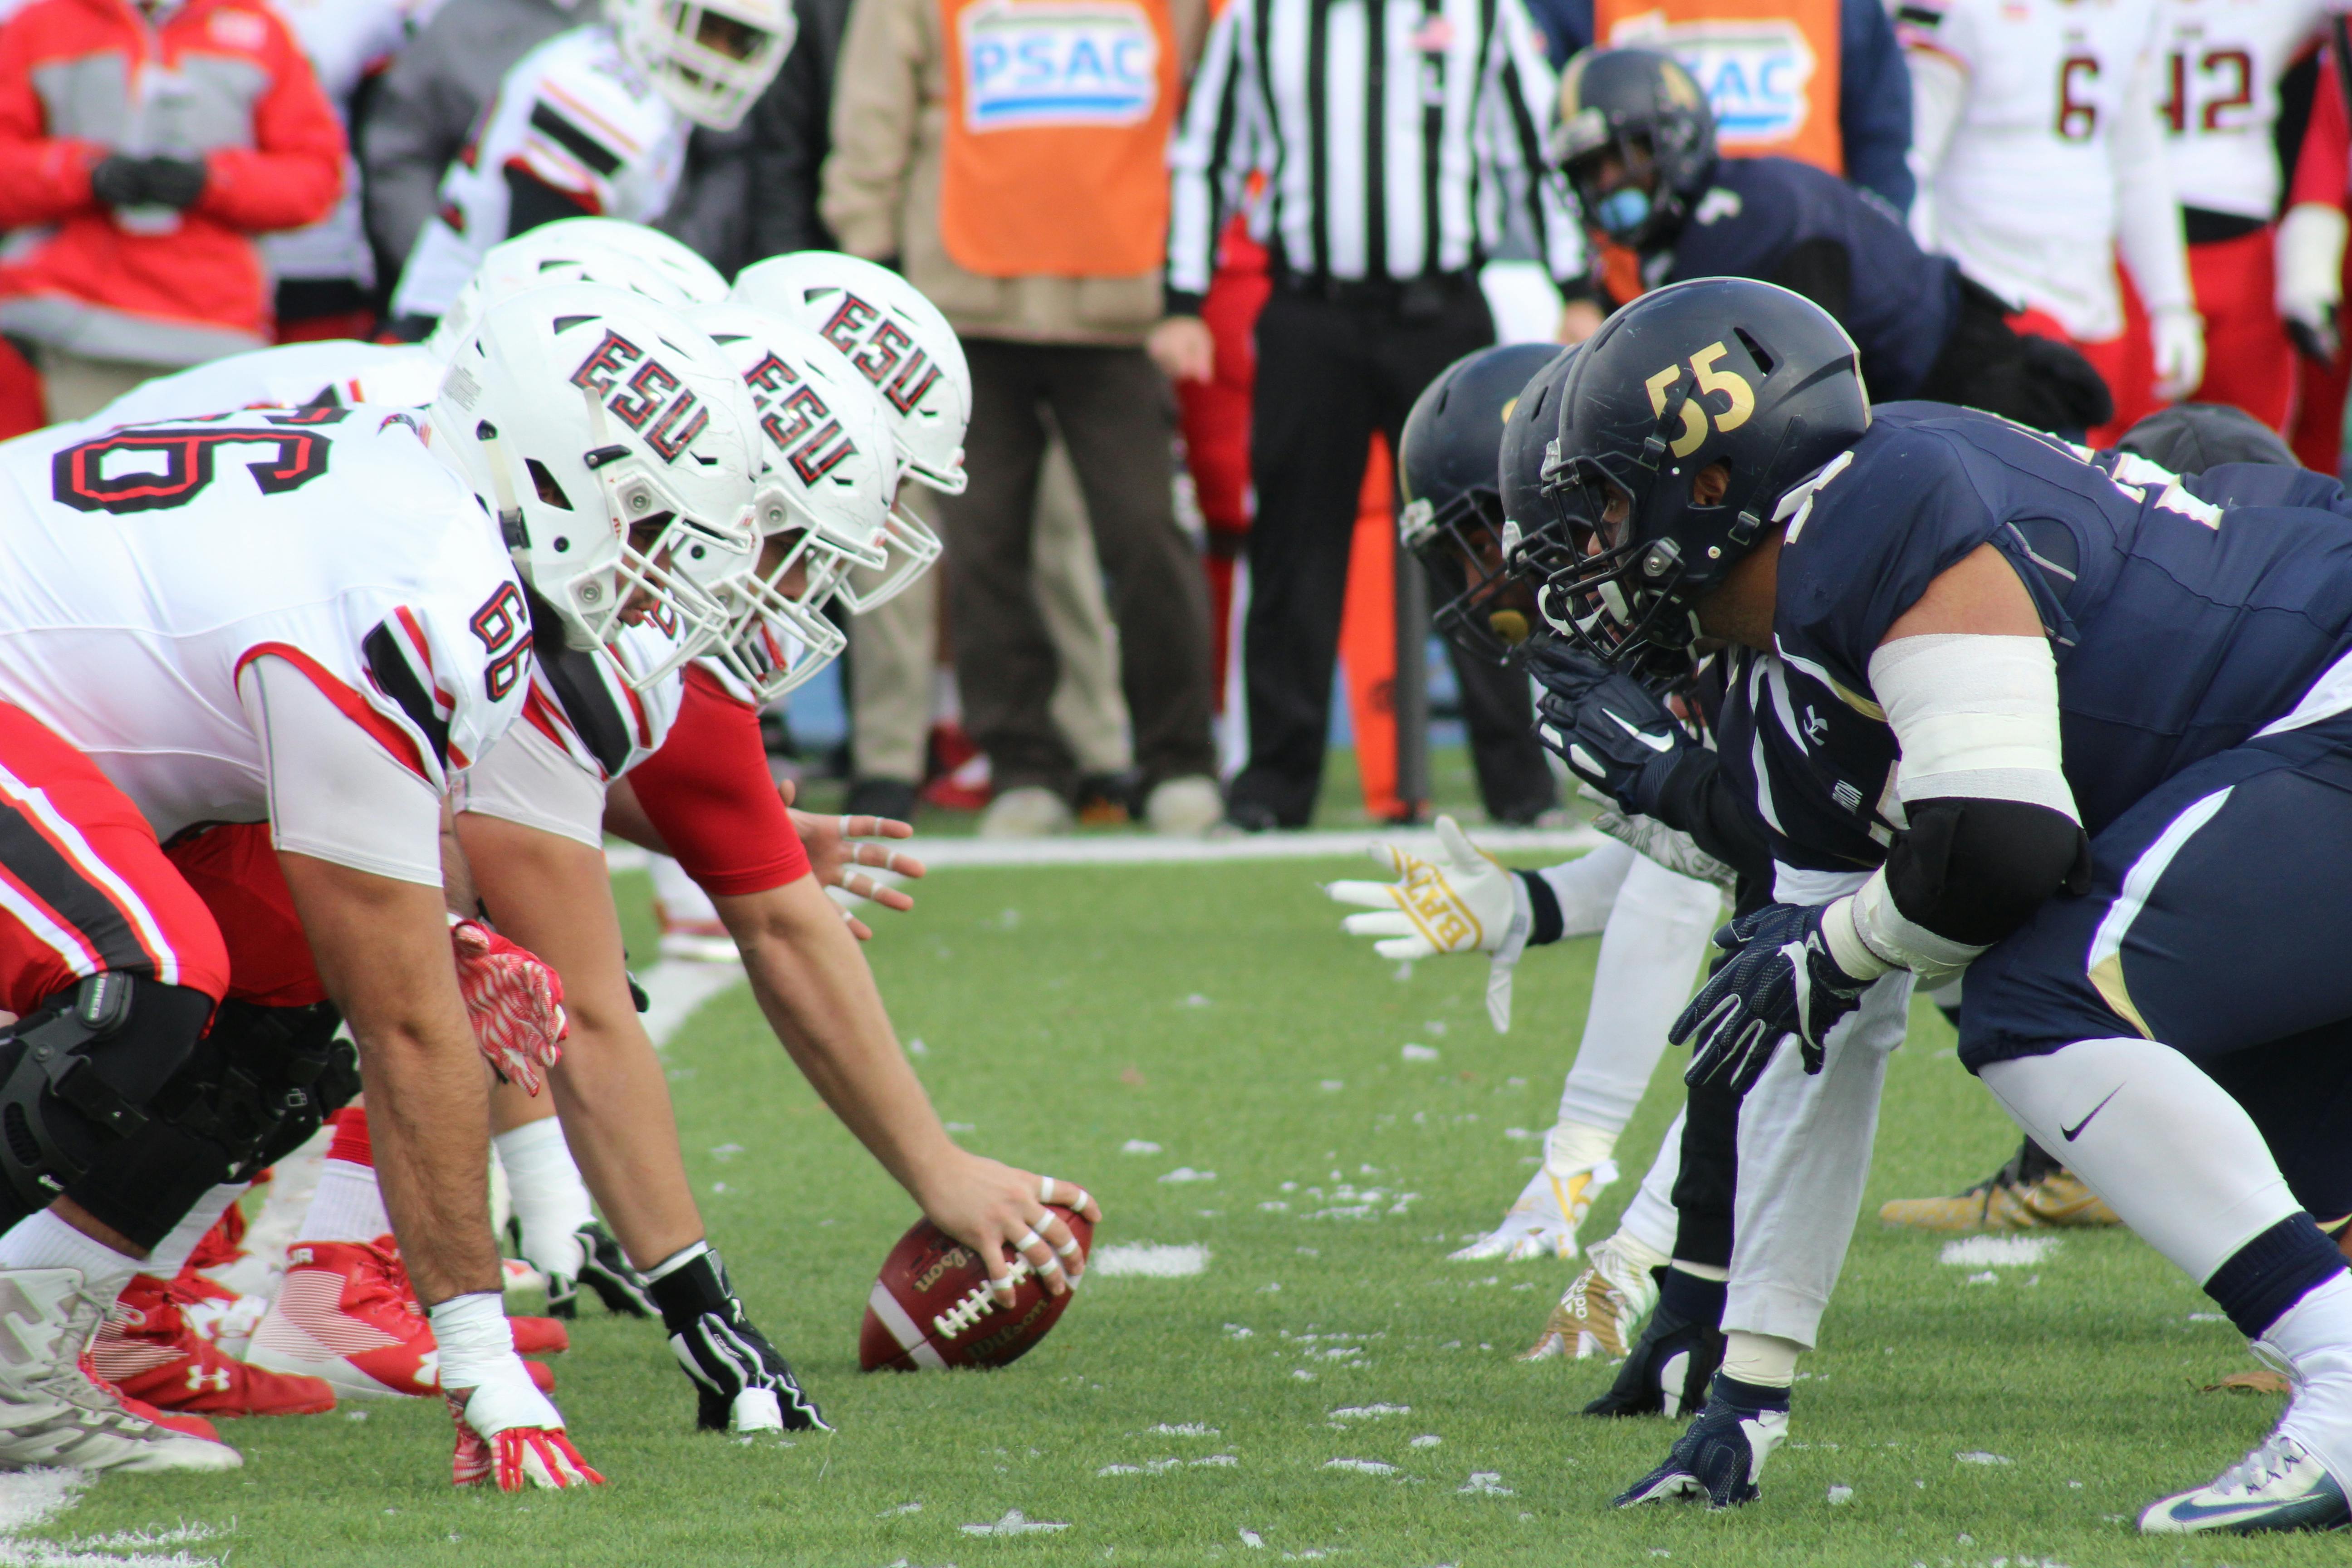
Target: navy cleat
[
  {"x": 1669, "y": 1368},
  {"x": 2279, "y": 1486},
  {"x": 1719, "y": 1455}
]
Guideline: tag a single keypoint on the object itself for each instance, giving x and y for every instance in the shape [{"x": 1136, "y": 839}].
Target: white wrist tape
[
  {"x": 1868, "y": 936},
  {"x": 1976, "y": 718},
  {"x": 476, "y": 1343}
]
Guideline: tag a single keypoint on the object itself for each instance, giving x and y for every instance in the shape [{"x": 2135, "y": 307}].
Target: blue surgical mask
[{"x": 1622, "y": 211}]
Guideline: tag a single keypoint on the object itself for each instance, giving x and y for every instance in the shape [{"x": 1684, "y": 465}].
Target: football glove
[
  {"x": 1460, "y": 902},
  {"x": 509, "y": 1433},
  {"x": 1778, "y": 979},
  {"x": 2310, "y": 276},
  {"x": 1667, "y": 1371},
  {"x": 1614, "y": 734},
  {"x": 1720, "y": 1456},
  {"x": 515, "y": 1002}
]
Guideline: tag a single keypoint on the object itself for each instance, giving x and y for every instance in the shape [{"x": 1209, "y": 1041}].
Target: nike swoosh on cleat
[
  {"x": 2068, "y": 1132},
  {"x": 1660, "y": 743}
]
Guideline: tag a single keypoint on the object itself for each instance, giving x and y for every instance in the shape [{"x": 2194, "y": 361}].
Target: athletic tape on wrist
[
  {"x": 677, "y": 1261},
  {"x": 473, "y": 1336},
  {"x": 1893, "y": 939}
]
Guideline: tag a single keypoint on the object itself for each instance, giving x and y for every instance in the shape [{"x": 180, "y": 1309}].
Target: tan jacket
[{"x": 881, "y": 185}]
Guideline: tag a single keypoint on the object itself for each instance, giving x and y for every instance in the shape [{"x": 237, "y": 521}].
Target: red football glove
[
  {"x": 515, "y": 1457},
  {"x": 515, "y": 1000}
]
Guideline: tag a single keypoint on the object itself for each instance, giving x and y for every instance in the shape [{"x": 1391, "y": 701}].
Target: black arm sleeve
[
  {"x": 1697, "y": 799},
  {"x": 1821, "y": 271},
  {"x": 1975, "y": 871}
]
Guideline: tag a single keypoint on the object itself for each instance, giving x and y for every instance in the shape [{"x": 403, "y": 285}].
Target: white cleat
[
  {"x": 1542, "y": 1221},
  {"x": 54, "y": 1412},
  {"x": 1601, "y": 1312},
  {"x": 2279, "y": 1486}
]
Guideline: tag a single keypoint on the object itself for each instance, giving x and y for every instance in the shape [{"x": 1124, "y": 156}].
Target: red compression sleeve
[{"x": 710, "y": 796}]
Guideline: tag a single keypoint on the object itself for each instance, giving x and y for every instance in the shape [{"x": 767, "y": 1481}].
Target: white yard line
[{"x": 30, "y": 1499}]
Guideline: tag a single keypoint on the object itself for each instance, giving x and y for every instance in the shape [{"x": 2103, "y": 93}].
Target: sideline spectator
[
  {"x": 1033, "y": 219},
  {"x": 427, "y": 104},
  {"x": 1380, "y": 222},
  {"x": 146, "y": 193}
]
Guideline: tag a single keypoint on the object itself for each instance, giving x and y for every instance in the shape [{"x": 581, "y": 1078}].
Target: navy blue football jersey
[
  {"x": 1900, "y": 301},
  {"x": 2180, "y": 627}
]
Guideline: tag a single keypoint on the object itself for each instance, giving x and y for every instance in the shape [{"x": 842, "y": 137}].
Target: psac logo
[
  {"x": 1034, "y": 62},
  {"x": 889, "y": 358},
  {"x": 643, "y": 402},
  {"x": 795, "y": 418},
  {"x": 1754, "y": 73}
]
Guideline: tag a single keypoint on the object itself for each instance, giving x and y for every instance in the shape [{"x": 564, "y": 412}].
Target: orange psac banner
[
  {"x": 1058, "y": 118},
  {"x": 1769, "y": 67}
]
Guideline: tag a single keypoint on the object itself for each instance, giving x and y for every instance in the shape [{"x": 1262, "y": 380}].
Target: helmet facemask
[
  {"x": 710, "y": 59},
  {"x": 1487, "y": 610}
]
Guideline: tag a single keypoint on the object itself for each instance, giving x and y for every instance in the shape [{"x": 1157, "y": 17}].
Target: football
[{"x": 932, "y": 1306}]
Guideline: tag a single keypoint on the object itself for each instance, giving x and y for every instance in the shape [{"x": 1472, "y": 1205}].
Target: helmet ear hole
[
  {"x": 1708, "y": 486},
  {"x": 1754, "y": 351},
  {"x": 544, "y": 482}
]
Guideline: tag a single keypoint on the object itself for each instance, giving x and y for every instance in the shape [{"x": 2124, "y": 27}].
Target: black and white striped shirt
[{"x": 1397, "y": 138}]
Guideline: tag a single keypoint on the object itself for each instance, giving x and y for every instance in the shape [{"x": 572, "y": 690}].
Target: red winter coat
[{"x": 219, "y": 79}]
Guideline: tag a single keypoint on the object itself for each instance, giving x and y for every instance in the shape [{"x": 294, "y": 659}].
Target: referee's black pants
[{"x": 1329, "y": 374}]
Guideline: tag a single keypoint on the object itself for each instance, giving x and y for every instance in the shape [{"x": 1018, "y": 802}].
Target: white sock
[
  {"x": 1651, "y": 1215},
  {"x": 1650, "y": 952},
  {"x": 44, "y": 1241},
  {"x": 2168, "y": 1148},
  {"x": 347, "y": 1206},
  {"x": 549, "y": 1197},
  {"x": 171, "y": 1253},
  {"x": 2315, "y": 1335},
  {"x": 1766, "y": 1360}
]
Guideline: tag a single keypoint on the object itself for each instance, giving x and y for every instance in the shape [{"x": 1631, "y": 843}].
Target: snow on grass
[
  {"x": 1015, "y": 1522},
  {"x": 1183, "y": 1174},
  {"x": 1369, "y": 1412},
  {"x": 1149, "y": 1261},
  {"x": 1998, "y": 1251},
  {"x": 1361, "y": 1467},
  {"x": 1417, "y": 1052},
  {"x": 1485, "y": 1483},
  {"x": 1181, "y": 1429},
  {"x": 1139, "y": 1146},
  {"x": 1979, "y": 1457}
]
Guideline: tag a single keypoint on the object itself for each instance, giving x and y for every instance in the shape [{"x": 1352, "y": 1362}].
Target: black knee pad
[
  {"x": 251, "y": 1092},
  {"x": 78, "y": 1074}
]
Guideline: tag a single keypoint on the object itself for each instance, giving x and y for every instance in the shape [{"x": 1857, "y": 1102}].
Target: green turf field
[{"x": 1216, "y": 1013}]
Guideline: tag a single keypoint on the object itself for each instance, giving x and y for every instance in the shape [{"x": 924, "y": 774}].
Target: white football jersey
[
  {"x": 344, "y": 40},
  {"x": 147, "y": 565},
  {"x": 572, "y": 114},
  {"x": 2025, "y": 198},
  {"x": 2221, "y": 69},
  {"x": 336, "y": 372},
  {"x": 579, "y": 700}
]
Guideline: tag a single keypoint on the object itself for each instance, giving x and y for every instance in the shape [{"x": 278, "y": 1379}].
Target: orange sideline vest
[
  {"x": 1055, "y": 163},
  {"x": 1769, "y": 68}
]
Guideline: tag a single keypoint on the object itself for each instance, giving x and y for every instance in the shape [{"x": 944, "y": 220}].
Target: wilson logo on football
[
  {"x": 797, "y": 420},
  {"x": 886, "y": 354},
  {"x": 643, "y": 402}
]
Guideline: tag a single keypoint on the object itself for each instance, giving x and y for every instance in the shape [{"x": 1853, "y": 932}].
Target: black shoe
[
  {"x": 893, "y": 798},
  {"x": 1107, "y": 800},
  {"x": 1667, "y": 1371},
  {"x": 728, "y": 1358},
  {"x": 1250, "y": 817},
  {"x": 605, "y": 1269},
  {"x": 1720, "y": 1457}
]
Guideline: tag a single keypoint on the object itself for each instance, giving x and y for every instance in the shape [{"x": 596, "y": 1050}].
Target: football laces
[{"x": 977, "y": 1303}]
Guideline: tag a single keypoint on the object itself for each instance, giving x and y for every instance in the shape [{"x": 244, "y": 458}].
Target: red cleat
[
  {"x": 345, "y": 1313},
  {"x": 149, "y": 1352}
]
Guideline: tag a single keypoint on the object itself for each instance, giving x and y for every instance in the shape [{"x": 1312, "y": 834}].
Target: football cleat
[
  {"x": 1602, "y": 1308},
  {"x": 1720, "y": 1457},
  {"x": 605, "y": 1269},
  {"x": 150, "y": 1350},
  {"x": 1542, "y": 1222},
  {"x": 2279, "y": 1486},
  {"x": 56, "y": 1412},
  {"x": 2032, "y": 1191},
  {"x": 1668, "y": 1369},
  {"x": 345, "y": 1314},
  {"x": 213, "y": 1311}
]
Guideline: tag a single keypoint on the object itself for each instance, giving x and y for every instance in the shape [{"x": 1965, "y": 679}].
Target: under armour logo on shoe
[{"x": 217, "y": 1380}]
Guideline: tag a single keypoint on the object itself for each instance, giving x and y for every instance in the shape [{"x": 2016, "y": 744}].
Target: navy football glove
[
  {"x": 1612, "y": 732},
  {"x": 1780, "y": 980},
  {"x": 1720, "y": 1457}
]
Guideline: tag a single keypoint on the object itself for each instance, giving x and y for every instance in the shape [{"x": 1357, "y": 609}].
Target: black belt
[{"x": 1426, "y": 295}]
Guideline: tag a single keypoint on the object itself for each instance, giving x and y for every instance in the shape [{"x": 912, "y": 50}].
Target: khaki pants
[
  {"x": 894, "y": 651},
  {"x": 74, "y": 387}
]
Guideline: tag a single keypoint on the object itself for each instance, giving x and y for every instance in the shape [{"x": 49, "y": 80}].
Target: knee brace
[{"x": 78, "y": 1074}]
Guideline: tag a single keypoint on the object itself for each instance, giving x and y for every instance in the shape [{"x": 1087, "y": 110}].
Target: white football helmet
[
  {"x": 534, "y": 258},
  {"x": 615, "y": 445},
  {"x": 710, "y": 59},
  {"x": 904, "y": 346},
  {"x": 822, "y": 505}
]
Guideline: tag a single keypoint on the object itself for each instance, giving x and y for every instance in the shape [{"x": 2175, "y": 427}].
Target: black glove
[
  {"x": 1720, "y": 1457},
  {"x": 119, "y": 181},
  {"x": 1780, "y": 980},
  {"x": 1613, "y": 732},
  {"x": 175, "y": 183},
  {"x": 721, "y": 1351}
]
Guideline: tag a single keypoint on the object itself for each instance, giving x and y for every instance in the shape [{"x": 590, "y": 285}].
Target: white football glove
[
  {"x": 2311, "y": 275},
  {"x": 507, "y": 1432},
  {"x": 2178, "y": 334},
  {"x": 1461, "y": 902}
]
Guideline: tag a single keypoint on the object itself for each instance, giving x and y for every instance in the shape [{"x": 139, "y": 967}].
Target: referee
[{"x": 1400, "y": 144}]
